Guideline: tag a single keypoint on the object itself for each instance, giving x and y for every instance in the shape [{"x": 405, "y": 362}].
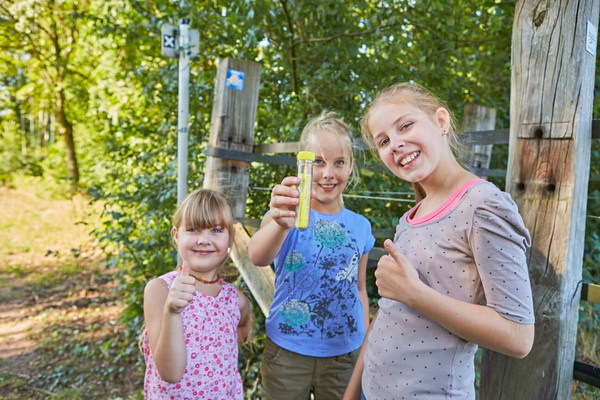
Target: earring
[{"x": 228, "y": 250}]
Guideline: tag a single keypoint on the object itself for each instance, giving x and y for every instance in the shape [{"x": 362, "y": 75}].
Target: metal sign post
[
  {"x": 183, "y": 110},
  {"x": 183, "y": 44}
]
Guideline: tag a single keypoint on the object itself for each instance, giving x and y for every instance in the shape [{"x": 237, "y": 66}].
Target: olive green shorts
[{"x": 286, "y": 375}]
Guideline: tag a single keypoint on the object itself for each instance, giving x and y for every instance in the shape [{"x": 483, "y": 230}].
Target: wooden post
[
  {"x": 232, "y": 128},
  {"x": 478, "y": 118},
  {"x": 260, "y": 280},
  {"x": 552, "y": 88}
]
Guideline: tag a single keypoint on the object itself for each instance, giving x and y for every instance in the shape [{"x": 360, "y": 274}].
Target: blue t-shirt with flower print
[{"x": 316, "y": 310}]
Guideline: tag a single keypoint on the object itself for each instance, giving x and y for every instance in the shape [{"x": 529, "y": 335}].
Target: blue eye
[
  {"x": 406, "y": 126},
  {"x": 383, "y": 142}
]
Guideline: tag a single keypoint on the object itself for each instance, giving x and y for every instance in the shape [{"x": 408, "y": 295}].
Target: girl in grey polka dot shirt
[{"x": 456, "y": 275}]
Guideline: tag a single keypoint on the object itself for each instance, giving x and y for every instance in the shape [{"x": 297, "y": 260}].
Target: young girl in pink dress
[{"x": 194, "y": 320}]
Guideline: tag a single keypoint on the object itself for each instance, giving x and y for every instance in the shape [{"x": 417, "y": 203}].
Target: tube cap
[{"x": 306, "y": 156}]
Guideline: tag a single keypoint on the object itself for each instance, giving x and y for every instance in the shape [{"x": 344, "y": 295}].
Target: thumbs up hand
[
  {"x": 395, "y": 277},
  {"x": 182, "y": 291}
]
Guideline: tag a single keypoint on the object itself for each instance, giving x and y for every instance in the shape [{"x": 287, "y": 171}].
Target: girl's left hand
[{"x": 396, "y": 278}]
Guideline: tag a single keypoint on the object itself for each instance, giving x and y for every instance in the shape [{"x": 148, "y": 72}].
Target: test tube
[{"x": 305, "y": 164}]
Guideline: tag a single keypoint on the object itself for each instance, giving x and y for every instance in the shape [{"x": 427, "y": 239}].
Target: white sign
[
  {"x": 591, "y": 38},
  {"x": 194, "y": 43},
  {"x": 168, "y": 46}
]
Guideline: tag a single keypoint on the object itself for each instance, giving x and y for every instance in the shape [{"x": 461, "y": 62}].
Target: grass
[{"x": 60, "y": 335}]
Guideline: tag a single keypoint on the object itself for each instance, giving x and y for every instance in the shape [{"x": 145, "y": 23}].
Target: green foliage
[
  {"x": 315, "y": 56},
  {"x": 12, "y": 160},
  {"x": 121, "y": 97}
]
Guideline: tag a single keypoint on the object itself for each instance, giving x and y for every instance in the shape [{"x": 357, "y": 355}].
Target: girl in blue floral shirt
[{"x": 320, "y": 309}]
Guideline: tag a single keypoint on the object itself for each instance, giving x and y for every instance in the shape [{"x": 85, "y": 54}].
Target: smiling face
[
  {"x": 203, "y": 230},
  {"x": 331, "y": 170},
  {"x": 203, "y": 249},
  {"x": 412, "y": 144}
]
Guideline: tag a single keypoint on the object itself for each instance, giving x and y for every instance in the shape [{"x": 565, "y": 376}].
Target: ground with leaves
[{"x": 59, "y": 307}]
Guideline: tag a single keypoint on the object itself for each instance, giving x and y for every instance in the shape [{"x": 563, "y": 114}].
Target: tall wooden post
[
  {"x": 232, "y": 128},
  {"x": 553, "y": 63},
  {"x": 478, "y": 118}
]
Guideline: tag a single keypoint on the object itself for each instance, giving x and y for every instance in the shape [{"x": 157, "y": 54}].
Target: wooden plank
[
  {"x": 548, "y": 168},
  {"x": 285, "y": 147},
  {"x": 260, "y": 280},
  {"x": 374, "y": 255},
  {"x": 475, "y": 118},
  {"x": 591, "y": 293},
  {"x": 469, "y": 138},
  {"x": 589, "y": 374},
  {"x": 249, "y": 157}
]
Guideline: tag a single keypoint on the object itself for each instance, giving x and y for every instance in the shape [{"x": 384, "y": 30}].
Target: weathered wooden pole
[
  {"x": 232, "y": 128},
  {"x": 478, "y": 118},
  {"x": 553, "y": 65}
]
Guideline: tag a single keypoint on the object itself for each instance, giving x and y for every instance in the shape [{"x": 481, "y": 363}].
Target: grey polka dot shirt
[{"x": 474, "y": 253}]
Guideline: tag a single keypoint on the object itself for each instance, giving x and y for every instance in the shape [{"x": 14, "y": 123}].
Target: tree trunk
[
  {"x": 66, "y": 131},
  {"x": 22, "y": 127},
  {"x": 41, "y": 131}
]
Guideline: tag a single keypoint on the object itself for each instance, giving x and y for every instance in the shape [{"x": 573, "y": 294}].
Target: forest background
[{"x": 88, "y": 113}]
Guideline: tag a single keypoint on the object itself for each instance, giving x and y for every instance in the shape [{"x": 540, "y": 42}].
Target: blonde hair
[
  {"x": 326, "y": 123},
  {"x": 418, "y": 96},
  {"x": 421, "y": 98},
  {"x": 205, "y": 208}
]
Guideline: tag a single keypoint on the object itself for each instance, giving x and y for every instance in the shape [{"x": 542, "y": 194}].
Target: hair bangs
[{"x": 205, "y": 209}]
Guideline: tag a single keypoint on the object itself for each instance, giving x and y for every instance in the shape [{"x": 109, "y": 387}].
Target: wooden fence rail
[{"x": 268, "y": 153}]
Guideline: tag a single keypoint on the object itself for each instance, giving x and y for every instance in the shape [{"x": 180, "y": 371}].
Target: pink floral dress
[{"x": 210, "y": 331}]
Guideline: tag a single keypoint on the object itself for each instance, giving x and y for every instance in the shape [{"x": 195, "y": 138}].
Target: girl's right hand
[
  {"x": 396, "y": 278},
  {"x": 182, "y": 291},
  {"x": 284, "y": 199}
]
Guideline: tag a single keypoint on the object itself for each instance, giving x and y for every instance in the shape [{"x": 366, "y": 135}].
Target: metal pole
[{"x": 183, "y": 109}]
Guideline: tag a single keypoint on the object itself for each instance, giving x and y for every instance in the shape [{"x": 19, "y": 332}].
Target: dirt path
[{"x": 59, "y": 309}]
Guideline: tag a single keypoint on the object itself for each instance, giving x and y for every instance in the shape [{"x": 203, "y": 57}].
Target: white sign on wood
[{"x": 591, "y": 38}]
